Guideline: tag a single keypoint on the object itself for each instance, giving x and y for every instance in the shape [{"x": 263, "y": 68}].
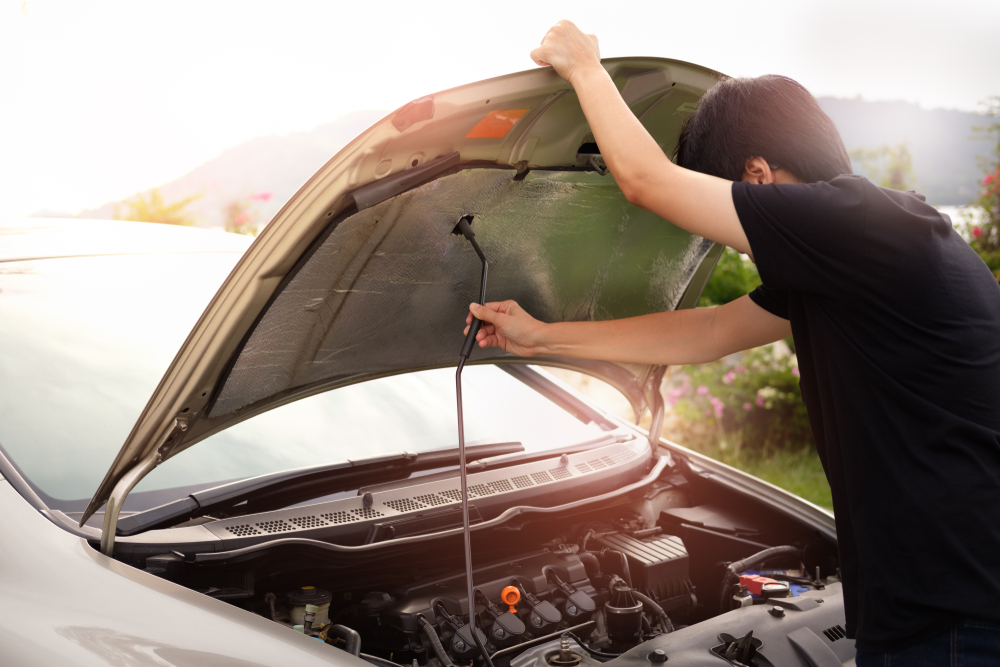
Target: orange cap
[{"x": 510, "y": 596}]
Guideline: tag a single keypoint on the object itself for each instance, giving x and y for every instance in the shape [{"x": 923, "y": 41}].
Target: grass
[
  {"x": 798, "y": 470},
  {"x": 793, "y": 468}
]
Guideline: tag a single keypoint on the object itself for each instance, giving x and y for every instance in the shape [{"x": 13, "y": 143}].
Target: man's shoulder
[{"x": 844, "y": 195}]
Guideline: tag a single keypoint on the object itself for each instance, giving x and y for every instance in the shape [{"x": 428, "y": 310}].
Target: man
[{"x": 896, "y": 324}]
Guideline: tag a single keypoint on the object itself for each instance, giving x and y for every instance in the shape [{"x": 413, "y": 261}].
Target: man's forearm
[{"x": 677, "y": 337}]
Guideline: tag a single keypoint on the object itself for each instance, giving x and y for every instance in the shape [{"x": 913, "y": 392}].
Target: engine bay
[{"x": 681, "y": 568}]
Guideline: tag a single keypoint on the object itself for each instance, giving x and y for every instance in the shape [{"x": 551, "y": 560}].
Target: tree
[
  {"x": 984, "y": 232},
  {"x": 151, "y": 208},
  {"x": 887, "y": 166}
]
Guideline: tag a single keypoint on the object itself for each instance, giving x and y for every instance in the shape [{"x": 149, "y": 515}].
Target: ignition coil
[
  {"x": 543, "y": 617},
  {"x": 506, "y": 629},
  {"x": 462, "y": 645},
  {"x": 578, "y": 604}
]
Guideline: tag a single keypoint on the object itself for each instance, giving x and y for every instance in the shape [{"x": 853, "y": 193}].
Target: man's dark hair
[{"x": 772, "y": 117}]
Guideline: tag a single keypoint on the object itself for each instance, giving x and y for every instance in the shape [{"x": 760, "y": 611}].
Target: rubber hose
[
  {"x": 760, "y": 557},
  {"x": 586, "y": 538},
  {"x": 350, "y": 636},
  {"x": 435, "y": 642},
  {"x": 377, "y": 661},
  {"x": 652, "y": 607},
  {"x": 626, "y": 573},
  {"x": 736, "y": 567},
  {"x": 593, "y": 565}
]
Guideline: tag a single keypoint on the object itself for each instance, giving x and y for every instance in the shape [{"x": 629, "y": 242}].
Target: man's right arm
[
  {"x": 692, "y": 336},
  {"x": 698, "y": 203}
]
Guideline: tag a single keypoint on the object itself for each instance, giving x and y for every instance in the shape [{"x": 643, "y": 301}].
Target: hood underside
[{"x": 360, "y": 276}]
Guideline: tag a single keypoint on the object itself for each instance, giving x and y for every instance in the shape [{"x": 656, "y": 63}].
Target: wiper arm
[{"x": 302, "y": 482}]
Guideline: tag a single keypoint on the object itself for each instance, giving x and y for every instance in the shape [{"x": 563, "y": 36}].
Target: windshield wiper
[{"x": 259, "y": 494}]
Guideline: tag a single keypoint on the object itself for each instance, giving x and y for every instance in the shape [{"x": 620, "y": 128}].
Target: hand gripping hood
[{"x": 360, "y": 276}]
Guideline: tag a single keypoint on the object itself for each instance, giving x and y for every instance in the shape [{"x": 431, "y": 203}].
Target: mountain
[
  {"x": 940, "y": 141},
  {"x": 276, "y": 164},
  {"x": 944, "y": 157}
]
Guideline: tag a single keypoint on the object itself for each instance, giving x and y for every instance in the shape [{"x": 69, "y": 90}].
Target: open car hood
[{"x": 360, "y": 275}]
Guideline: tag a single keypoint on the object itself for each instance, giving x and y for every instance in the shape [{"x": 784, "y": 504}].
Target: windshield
[{"x": 84, "y": 342}]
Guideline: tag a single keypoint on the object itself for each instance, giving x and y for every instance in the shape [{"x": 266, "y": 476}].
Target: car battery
[
  {"x": 658, "y": 565},
  {"x": 794, "y": 589}
]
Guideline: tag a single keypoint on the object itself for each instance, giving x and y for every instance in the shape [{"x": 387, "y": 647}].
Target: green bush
[
  {"x": 732, "y": 277},
  {"x": 753, "y": 403}
]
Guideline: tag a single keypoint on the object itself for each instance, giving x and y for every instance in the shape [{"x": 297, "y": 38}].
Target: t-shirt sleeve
[
  {"x": 774, "y": 301},
  {"x": 807, "y": 236}
]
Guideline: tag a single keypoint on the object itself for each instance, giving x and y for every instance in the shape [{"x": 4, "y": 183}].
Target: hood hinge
[{"x": 128, "y": 481}]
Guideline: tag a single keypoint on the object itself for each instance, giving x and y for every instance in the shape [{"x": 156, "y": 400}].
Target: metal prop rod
[{"x": 470, "y": 341}]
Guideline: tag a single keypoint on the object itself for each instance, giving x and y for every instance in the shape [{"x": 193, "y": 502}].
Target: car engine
[
  {"x": 661, "y": 578},
  {"x": 611, "y": 554}
]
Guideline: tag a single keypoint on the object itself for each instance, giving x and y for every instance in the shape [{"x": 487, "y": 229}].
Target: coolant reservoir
[{"x": 298, "y": 599}]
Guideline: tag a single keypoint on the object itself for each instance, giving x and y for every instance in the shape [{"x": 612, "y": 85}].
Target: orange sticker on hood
[{"x": 496, "y": 125}]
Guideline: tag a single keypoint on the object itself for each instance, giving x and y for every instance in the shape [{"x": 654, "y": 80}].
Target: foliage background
[{"x": 984, "y": 234}]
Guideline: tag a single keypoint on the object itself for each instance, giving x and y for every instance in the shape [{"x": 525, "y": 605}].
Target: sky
[{"x": 101, "y": 100}]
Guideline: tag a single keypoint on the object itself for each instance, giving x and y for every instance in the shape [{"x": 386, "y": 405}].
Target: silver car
[{"x": 287, "y": 492}]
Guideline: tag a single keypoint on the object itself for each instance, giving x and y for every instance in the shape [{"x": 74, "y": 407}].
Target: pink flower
[
  {"x": 718, "y": 406},
  {"x": 703, "y": 390},
  {"x": 760, "y": 401},
  {"x": 264, "y": 195},
  {"x": 747, "y": 407},
  {"x": 977, "y": 231},
  {"x": 241, "y": 219},
  {"x": 795, "y": 372},
  {"x": 729, "y": 377},
  {"x": 989, "y": 179},
  {"x": 740, "y": 369},
  {"x": 674, "y": 396}
]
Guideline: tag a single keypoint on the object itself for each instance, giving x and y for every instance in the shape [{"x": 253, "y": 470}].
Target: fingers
[
  {"x": 485, "y": 313},
  {"x": 493, "y": 310},
  {"x": 538, "y": 56},
  {"x": 486, "y": 330}
]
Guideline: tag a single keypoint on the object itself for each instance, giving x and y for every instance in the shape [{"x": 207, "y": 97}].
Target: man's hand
[
  {"x": 567, "y": 49},
  {"x": 508, "y": 326}
]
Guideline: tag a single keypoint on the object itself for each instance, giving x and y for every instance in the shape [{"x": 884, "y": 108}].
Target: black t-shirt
[{"x": 896, "y": 324}]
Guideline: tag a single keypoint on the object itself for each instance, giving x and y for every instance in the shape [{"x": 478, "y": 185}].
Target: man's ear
[{"x": 757, "y": 171}]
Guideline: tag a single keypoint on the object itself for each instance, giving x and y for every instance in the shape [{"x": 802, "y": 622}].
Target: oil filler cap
[{"x": 510, "y": 596}]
